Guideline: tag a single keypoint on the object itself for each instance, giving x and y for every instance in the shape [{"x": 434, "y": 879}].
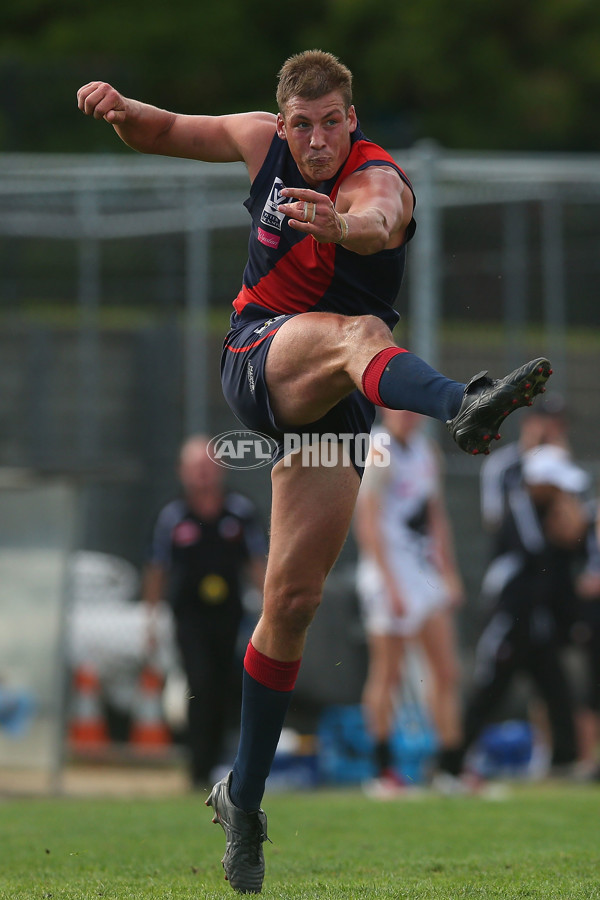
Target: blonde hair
[{"x": 312, "y": 74}]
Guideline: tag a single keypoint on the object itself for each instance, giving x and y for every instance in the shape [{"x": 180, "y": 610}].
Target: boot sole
[{"x": 479, "y": 424}]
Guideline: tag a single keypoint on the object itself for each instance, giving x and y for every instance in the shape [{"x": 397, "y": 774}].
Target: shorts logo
[
  {"x": 250, "y": 373},
  {"x": 271, "y": 216},
  {"x": 266, "y": 324}
]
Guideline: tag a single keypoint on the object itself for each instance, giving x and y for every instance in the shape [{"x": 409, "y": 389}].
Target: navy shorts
[{"x": 243, "y": 359}]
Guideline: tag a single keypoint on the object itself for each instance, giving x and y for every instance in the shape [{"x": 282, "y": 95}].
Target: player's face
[
  {"x": 197, "y": 471},
  {"x": 318, "y": 135}
]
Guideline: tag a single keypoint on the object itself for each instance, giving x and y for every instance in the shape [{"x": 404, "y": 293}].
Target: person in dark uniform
[
  {"x": 586, "y": 637},
  {"x": 529, "y": 589},
  {"x": 205, "y": 544},
  {"x": 309, "y": 355}
]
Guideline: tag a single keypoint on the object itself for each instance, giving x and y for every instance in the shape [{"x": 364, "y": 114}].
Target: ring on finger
[{"x": 313, "y": 211}]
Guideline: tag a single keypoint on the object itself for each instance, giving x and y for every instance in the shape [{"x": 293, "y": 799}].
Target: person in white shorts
[{"x": 408, "y": 584}]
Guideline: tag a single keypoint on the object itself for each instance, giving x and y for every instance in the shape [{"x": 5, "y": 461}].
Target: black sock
[
  {"x": 450, "y": 760},
  {"x": 383, "y": 756}
]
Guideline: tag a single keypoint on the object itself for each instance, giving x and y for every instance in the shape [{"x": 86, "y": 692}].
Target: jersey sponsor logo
[
  {"x": 213, "y": 589},
  {"x": 271, "y": 215},
  {"x": 186, "y": 533},
  {"x": 269, "y": 240},
  {"x": 230, "y": 529}
]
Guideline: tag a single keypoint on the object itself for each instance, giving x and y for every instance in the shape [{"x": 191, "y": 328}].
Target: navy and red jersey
[{"x": 291, "y": 272}]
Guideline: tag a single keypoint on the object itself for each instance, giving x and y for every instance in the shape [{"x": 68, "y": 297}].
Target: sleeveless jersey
[
  {"x": 412, "y": 481},
  {"x": 290, "y": 272}
]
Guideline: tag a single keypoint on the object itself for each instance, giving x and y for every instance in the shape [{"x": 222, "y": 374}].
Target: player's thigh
[
  {"x": 311, "y": 511},
  {"x": 316, "y": 359}
]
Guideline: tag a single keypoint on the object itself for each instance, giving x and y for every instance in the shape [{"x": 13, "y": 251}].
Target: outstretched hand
[
  {"x": 313, "y": 213},
  {"x": 102, "y": 101}
]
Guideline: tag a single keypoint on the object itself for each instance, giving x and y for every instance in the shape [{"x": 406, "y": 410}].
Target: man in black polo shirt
[{"x": 204, "y": 545}]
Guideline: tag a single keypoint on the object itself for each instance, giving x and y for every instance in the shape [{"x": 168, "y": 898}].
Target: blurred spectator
[
  {"x": 408, "y": 583},
  {"x": 501, "y": 475},
  {"x": 204, "y": 544},
  {"x": 529, "y": 587},
  {"x": 545, "y": 423}
]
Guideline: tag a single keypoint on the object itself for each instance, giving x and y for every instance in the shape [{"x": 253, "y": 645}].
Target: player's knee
[
  {"x": 292, "y": 608},
  {"x": 448, "y": 673},
  {"x": 392, "y": 682},
  {"x": 366, "y": 330}
]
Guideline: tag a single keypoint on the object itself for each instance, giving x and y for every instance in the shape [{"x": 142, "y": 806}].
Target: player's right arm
[{"x": 241, "y": 137}]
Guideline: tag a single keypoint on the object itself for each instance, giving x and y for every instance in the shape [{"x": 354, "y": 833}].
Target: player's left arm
[{"x": 372, "y": 212}]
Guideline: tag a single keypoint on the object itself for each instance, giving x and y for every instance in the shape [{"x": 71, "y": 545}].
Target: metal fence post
[
  {"x": 554, "y": 295},
  {"x": 425, "y": 254},
  {"x": 88, "y": 339},
  {"x": 195, "y": 340},
  {"x": 515, "y": 281}
]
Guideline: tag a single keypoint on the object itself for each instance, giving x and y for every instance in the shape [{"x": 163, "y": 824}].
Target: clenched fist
[{"x": 102, "y": 101}]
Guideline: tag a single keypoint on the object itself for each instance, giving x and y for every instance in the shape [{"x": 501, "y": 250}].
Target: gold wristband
[{"x": 344, "y": 229}]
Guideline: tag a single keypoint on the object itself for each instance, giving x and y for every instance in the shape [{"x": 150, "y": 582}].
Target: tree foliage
[{"x": 500, "y": 74}]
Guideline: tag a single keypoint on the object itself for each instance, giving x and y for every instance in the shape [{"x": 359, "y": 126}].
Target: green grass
[{"x": 540, "y": 842}]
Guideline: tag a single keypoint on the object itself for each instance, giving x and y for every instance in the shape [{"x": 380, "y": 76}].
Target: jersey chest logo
[
  {"x": 186, "y": 533},
  {"x": 270, "y": 215}
]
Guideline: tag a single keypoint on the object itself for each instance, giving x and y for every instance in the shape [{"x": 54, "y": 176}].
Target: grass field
[{"x": 541, "y": 841}]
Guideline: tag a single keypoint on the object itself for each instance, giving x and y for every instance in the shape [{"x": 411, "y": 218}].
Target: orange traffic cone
[
  {"x": 149, "y": 733},
  {"x": 87, "y": 728}
]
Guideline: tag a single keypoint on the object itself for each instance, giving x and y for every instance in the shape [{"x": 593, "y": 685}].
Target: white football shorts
[{"x": 420, "y": 585}]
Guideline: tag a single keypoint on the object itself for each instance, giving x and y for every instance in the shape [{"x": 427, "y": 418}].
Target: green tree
[{"x": 498, "y": 74}]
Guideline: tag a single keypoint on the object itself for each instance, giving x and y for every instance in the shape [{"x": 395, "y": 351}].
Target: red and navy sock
[
  {"x": 398, "y": 379},
  {"x": 268, "y": 685}
]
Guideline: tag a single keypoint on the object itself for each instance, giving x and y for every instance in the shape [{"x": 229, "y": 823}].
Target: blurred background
[{"x": 117, "y": 274}]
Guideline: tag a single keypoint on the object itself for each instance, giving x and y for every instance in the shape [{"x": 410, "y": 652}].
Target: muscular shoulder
[
  {"x": 253, "y": 134},
  {"x": 381, "y": 177},
  {"x": 381, "y": 187}
]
